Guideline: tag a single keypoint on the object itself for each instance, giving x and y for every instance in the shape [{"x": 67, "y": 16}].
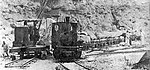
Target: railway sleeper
[{"x": 86, "y": 67}]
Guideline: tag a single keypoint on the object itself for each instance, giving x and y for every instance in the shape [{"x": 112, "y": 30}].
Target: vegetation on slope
[{"x": 94, "y": 16}]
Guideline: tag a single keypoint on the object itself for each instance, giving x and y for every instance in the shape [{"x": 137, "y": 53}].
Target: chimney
[{"x": 67, "y": 19}]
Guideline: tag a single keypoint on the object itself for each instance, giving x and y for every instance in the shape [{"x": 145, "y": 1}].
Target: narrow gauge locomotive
[{"x": 64, "y": 40}]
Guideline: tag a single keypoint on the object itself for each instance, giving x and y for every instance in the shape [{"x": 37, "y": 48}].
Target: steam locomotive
[{"x": 64, "y": 40}]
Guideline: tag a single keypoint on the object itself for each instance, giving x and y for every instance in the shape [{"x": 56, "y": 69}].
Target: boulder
[{"x": 144, "y": 62}]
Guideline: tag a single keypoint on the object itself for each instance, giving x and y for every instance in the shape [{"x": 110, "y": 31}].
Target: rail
[
  {"x": 78, "y": 64},
  {"x": 85, "y": 67},
  {"x": 61, "y": 64},
  {"x": 20, "y": 63},
  {"x": 27, "y": 62}
]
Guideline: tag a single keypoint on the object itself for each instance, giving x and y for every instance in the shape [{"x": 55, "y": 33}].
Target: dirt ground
[{"x": 115, "y": 61}]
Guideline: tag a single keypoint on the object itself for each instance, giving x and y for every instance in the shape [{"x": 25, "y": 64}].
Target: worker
[
  {"x": 31, "y": 33},
  {"x": 124, "y": 36},
  {"x": 36, "y": 34},
  {"x": 128, "y": 40},
  {"x": 5, "y": 48},
  {"x": 142, "y": 37}
]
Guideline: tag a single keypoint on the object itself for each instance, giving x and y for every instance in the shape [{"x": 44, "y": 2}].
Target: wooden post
[{"x": 46, "y": 25}]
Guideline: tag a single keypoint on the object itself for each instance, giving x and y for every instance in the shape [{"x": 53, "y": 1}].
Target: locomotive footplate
[
  {"x": 68, "y": 53},
  {"x": 28, "y": 51},
  {"x": 17, "y": 49},
  {"x": 65, "y": 53},
  {"x": 75, "y": 47},
  {"x": 62, "y": 52}
]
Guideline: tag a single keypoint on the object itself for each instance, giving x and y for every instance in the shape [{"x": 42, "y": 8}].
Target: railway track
[
  {"x": 76, "y": 64},
  {"x": 20, "y": 63},
  {"x": 123, "y": 52},
  {"x": 85, "y": 67},
  {"x": 120, "y": 51},
  {"x": 64, "y": 67}
]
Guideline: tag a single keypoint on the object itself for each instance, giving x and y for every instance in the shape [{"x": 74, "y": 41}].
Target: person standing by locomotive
[
  {"x": 128, "y": 40},
  {"x": 36, "y": 34},
  {"x": 142, "y": 37},
  {"x": 5, "y": 49}
]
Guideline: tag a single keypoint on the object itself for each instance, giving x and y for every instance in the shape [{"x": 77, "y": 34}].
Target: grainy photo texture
[{"x": 74, "y": 35}]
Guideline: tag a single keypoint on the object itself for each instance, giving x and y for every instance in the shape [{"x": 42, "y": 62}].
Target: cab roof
[
  {"x": 64, "y": 22},
  {"x": 29, "y": 20}
]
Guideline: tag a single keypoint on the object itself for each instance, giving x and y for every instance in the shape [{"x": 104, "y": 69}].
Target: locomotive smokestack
[
  {"x": 67, "y": 19},
  {"x": 25, "y": 22}
]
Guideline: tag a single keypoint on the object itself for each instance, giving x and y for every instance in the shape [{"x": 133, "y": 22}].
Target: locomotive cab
[{"x": 25, "y": 34}]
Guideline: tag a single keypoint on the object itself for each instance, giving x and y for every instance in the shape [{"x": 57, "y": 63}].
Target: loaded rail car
[
  {"x": 26, "y": 38},
  {"x": 64, "y": 40},
  {"x": 102, "y": 42}
]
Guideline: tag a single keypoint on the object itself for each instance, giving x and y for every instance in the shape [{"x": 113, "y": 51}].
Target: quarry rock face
[{"x": 96, "y": 17}]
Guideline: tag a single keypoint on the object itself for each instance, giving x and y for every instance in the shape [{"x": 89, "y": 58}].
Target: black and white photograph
[{"x": 74, "y": 35}]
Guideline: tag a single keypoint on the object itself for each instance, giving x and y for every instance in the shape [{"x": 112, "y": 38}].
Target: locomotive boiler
[{"x": 64, "y": 40}]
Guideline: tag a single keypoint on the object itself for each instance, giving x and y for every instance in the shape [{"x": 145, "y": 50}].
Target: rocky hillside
[{"x": 96, "y": 17}]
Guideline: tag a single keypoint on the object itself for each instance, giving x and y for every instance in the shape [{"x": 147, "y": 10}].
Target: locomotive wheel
[
  {"x": 78, "y": 54},
  {"x": 36, "y": 53},
  {"x": 56, "y": 53},
  {"x": 21, "y": 55},
  {"x": 43, "y": 55},
  {"x": 13, "y": 57}
]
